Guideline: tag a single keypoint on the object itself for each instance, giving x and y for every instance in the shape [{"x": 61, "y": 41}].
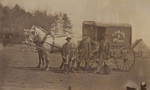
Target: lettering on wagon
[{"x": 118, "y": 36}]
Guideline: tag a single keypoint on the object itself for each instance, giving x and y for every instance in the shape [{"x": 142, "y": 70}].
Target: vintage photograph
[{"x": 74, "y": 45}]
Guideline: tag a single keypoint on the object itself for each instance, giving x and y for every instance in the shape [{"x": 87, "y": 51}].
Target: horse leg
[
  {"x": 47, "y": 60},
  {"x": 62, "y": 64},
  {"x": 42, "y": 57},
  {"x": 72, "y": 65},
  {"x": 39, "y": 54}
]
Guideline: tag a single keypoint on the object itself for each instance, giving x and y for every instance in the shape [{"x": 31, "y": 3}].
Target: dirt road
[{"x": 18, "y": 72}]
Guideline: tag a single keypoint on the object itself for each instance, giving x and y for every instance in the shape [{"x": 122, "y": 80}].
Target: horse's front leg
[
  {"x": 47, "y": 59},
  {"x": 40, "y": 58}
]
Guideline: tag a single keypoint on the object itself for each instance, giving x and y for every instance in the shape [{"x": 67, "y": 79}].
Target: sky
[{"x": 134, "y": 12}]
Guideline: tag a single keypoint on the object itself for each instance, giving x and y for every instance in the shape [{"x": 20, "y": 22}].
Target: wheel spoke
[
  {"x": 120, "y": 63},
  {"x": 128, "y": 65}
]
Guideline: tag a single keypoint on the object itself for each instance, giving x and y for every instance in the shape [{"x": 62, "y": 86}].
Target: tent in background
[{"x": 140, "y": 48}]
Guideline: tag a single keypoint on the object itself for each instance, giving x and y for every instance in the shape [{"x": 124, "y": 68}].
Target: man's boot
[
  {"x": 65, "y": 68},
  {"x": 61, "y": 66},
  {"x": 78, "y": 66},
  {"x": 68, "y": 69},
  {"x": 86, "y": 66},
  {"x": 98, "y": 70}
]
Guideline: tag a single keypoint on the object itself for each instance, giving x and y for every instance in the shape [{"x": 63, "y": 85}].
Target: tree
[
  {"x": 62, "y": 24},
  {"x": 67, "y": 26},
  {"x": 42, "y": 19},
  {"x": 15, "y": 20}
]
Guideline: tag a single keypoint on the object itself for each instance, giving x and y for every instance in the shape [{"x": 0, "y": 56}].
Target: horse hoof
[
  {"x": 85, "y": 72},
  {"x": 42, "y": 69},
  {"x": 47, "y": 69},
  {"x": 38, "y": 66}
]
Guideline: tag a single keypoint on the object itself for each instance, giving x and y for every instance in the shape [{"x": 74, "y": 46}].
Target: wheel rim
[{"x": 125, "y": 59}]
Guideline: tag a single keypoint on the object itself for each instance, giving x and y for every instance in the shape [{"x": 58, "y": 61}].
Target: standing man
[
  {"x": 67, "y": 52},
  {"x": 85, "y": 48},
  {"x": 104, "y": 52}
]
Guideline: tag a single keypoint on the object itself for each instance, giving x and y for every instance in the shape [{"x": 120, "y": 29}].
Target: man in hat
[
  {"x": 67, "y": 54},
  {"x": 85, "y": 48},
  {"x": 104, "y": 53}
]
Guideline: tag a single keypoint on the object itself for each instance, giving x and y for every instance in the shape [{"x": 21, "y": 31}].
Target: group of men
[{"x": 85, "y": 53}]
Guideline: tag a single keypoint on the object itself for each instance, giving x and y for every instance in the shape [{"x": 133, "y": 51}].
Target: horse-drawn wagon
[{"x": 120, "y": 36}]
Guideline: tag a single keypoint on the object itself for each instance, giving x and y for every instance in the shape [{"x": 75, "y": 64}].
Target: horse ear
[
  {"x": 33, "y": 26},
  {"x": 26, "y": 30}
]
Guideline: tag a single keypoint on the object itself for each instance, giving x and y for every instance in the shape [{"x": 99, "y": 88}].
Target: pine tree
[{"x": 67, "y": 26}]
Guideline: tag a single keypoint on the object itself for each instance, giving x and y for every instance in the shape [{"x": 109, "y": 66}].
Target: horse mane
[
  {"x": 45, "y": 31},
  {"x": 41, "y": 29}
]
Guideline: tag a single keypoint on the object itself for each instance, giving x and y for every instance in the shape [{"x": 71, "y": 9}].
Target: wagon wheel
[
  {"x": 92, "y": 62},
  {"x": 93, "y": 59},
  {"x": 125, "y": 59}
]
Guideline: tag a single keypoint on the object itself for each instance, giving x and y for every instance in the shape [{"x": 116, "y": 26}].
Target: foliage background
[{"x": 13, "y": 21}]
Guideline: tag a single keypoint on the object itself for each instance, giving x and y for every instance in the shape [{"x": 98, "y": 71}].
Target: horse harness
[{"x": 44, "y": 39}]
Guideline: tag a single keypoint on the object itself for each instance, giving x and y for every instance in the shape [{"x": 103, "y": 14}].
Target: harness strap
[
  {"x": 52, "y": 46},
  {"x": 44, "y": 38},
  {"x": 43, "y": 41}
]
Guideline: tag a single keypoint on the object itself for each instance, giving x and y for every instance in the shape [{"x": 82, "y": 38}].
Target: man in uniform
[
  {"x": 104, "y": 53},
  {"x": 67, "y": 54},
  {"x": 85, "y": 48}
]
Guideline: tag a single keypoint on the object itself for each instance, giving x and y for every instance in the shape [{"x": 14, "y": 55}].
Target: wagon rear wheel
[
  {"x": 92, "y": 61},
  {"x": 125, "y": 59}
]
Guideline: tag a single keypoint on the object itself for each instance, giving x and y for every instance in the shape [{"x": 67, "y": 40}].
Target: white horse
[{"x": 48, "y": 43}]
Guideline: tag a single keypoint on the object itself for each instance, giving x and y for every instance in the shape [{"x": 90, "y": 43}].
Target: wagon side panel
[{"x": 119, "y": 36}]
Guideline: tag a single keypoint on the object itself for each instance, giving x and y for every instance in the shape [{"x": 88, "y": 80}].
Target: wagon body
[{"x": 120, "y": 36}]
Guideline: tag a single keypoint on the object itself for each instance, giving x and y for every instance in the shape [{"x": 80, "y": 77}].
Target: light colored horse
[{"x": 48, "y": 43}]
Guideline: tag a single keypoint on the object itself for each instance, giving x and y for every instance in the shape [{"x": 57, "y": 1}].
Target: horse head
[
  {"x": 26, "y": 35},
  {"x": 36, "y": 34},
  {"x": 33, "y": 34},
  {"x": 30, "y": 35}
]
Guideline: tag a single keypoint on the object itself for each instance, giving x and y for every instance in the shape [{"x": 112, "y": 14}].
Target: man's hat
[{"x": 68, "y": 38}]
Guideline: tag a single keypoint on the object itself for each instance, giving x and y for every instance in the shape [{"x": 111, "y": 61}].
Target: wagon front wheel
[{"x": 125, "y": 59}]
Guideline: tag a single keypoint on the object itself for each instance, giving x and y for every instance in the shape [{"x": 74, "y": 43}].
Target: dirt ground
[{"x": 18, "y": 72}]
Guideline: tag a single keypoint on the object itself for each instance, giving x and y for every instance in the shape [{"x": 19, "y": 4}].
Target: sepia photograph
[{"x": 74, "y": 45}]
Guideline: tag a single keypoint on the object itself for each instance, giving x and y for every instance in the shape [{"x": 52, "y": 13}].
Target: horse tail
[{"x": 74, "y": 44}]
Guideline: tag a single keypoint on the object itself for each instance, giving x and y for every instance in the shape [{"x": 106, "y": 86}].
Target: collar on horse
[
  {"x": 43, "y": 41},
  {"x": 44, "y": 38}
]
